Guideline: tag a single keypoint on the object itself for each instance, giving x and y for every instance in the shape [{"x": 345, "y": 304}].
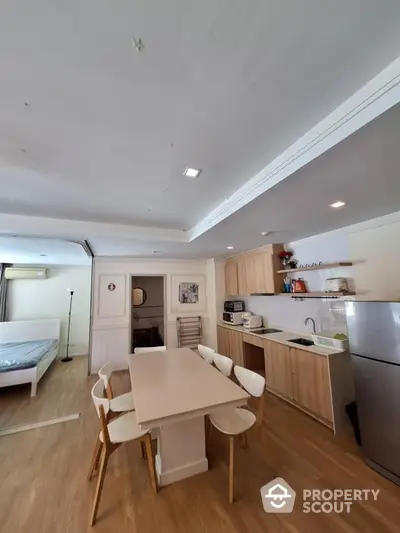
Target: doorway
[{"x": 148, "y": 313}]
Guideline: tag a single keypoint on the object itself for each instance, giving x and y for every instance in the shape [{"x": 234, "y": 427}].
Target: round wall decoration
[{"x": 111, "y": 286}]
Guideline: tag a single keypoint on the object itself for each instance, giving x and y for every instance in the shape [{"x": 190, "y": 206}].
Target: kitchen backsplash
[{"x": 329, "y": 315}]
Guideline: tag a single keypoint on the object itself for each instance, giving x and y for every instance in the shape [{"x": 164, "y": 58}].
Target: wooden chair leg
[
  {"x": 231, "y": 457},
  {"x": 99, "y": 487},
  {"x": 150, "y": 460},
  {"x": 143, "y": 447},
  {"x": 95, "y": 459}
]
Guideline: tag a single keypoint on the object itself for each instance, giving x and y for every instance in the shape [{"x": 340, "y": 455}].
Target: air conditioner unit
[{"x": 25, "y": 273}]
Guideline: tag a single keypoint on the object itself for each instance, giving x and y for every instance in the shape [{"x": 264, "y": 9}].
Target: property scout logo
[{"x": 279, "y": 497}]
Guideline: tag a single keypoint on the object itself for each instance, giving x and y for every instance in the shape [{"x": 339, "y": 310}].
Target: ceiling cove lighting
[
  {"x": 192, "y": 173},
  {"x": 337, "y": 204}
]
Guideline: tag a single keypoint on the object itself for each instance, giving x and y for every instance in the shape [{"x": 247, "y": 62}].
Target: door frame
[{"x": 139, "y": 275}]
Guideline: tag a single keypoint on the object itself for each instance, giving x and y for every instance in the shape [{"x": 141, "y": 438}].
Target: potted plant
[{"x": 287, "y": 259}]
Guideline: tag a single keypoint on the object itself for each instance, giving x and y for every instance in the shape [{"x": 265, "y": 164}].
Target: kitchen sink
[
  {"x": 302, "y": 342},
  {"x": 265, "y": 331}
]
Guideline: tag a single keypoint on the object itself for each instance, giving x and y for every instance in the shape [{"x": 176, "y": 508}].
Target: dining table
[{"x": 173, "y": 392}]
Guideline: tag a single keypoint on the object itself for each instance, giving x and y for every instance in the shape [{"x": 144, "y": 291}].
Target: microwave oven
[
  {"x": 234, "y": 306},
  {"x": 234, "y": 319}
]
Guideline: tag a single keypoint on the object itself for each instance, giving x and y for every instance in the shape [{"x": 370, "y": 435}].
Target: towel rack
[{"x": 188, "y": 331}]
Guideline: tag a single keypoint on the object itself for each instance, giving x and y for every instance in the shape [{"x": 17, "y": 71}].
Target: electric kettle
[{"x": 298, "y": 285}]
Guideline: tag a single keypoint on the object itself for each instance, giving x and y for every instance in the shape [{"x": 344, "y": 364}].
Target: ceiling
[
  {"x": 35, "y": 251},
  {"x": 94, "y": 130},
  {"x": 362, "y": 170}
]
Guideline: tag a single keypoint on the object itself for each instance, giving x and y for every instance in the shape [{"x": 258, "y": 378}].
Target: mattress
[{"x": 22, "y": 355}]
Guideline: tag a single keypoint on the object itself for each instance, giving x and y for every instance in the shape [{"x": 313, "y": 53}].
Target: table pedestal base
[{"x": 181, "y": 450}]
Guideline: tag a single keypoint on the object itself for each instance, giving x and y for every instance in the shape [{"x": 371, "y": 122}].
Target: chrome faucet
[{"x": 313, "y": 323}]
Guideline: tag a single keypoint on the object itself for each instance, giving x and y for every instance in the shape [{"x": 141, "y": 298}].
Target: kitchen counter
[
  {"x": 316, "y": 380},
  {"x": 283, "y": 338}
]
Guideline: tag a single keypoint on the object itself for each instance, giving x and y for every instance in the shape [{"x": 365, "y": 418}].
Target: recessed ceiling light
[
  {"x": 43, "y": 255},
  {"x": 265, "y": 233},
  {"x": 229, "y": 247},
  {"x": 338, "y": 204},
  {"x": 192, "y": 173},
  {"x": 156, "y": 251}
]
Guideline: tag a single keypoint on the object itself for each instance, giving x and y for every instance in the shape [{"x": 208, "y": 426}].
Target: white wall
[
  {"x": 34, "y": 299},
  {"x": 373, "y": 246},
  {"x": 112, "y": 309}
]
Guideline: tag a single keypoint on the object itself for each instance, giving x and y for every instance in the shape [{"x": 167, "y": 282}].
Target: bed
[{"x": 27, "y": 349}]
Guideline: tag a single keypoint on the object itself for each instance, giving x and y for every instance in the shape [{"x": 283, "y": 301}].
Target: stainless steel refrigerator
[{"x": 374, "y": 336}]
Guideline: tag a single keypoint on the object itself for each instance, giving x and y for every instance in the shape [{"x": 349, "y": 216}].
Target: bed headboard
[{"x": 29, "y": 330}]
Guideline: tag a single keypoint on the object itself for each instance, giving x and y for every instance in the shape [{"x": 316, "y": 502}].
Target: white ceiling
[
  {"x": 29, "y": 251},
  {"x": 223, "y": 85},
  {"x": 362, "y": 170}
]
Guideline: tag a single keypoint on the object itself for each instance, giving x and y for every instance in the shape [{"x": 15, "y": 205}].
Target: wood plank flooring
[{"x": 44, "y": 488}]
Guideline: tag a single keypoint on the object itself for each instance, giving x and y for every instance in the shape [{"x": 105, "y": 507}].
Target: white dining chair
[
  {"x": 238, "y": 421},
  {"x": 223, "y": 363},
  {"x": 206, "y": 353},
  {"x": 112, "y": 435},
  {"x": 150, "y": 349},
  {"x": 118, "y": 404}
]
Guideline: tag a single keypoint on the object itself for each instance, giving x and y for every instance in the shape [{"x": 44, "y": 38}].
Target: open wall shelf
[
  {"x": 317, "y": 267},
  {"x": 317, "y": 294}
]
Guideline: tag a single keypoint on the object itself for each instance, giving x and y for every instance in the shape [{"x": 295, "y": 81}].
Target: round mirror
[{"x": 139, "y": 296}]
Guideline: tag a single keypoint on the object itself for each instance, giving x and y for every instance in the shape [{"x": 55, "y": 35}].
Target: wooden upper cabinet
[
  {"x": 231, "y": 278},
  {"x": 311, "y": 382},
  {"x": 254, "y": 272},
  {"x": 242, "y": 277}
]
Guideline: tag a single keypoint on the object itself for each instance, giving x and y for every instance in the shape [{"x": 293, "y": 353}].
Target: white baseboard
[
  {"x": 27, "y": 427},
  {"x": 183, "y": 472}
]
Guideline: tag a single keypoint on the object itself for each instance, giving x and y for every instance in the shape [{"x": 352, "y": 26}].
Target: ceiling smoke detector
[
  {"x": 192, "y": 173},
  {"x": 137, "y": 44}
]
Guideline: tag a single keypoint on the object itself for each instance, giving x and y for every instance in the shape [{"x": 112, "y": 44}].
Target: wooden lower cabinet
[
  {"x": 311, "y": 382},
  {"x": 222, "y": 340},
  {"x": 230, "y": 343},
  {"x": 300, "y": 376},
  {"x": 278, "y": 371}
]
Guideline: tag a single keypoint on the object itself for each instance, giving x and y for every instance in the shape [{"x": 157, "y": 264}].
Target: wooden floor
[{"x": 44, "y": 487}]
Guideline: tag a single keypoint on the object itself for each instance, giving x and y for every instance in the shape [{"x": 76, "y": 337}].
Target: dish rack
[
  {"x": 189, "y": 331},
  {"x": 325, "y": 340}
]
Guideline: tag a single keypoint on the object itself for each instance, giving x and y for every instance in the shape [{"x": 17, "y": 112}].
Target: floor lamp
[{"x": 67, "y": 358}]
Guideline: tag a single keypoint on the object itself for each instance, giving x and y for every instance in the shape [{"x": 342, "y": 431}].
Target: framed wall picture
[{"x": 188, "y": 293}]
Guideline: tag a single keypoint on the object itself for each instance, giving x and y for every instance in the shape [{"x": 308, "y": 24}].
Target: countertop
[{"x": 283, "y": 338}]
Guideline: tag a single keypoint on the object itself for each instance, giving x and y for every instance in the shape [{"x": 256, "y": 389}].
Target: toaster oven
[{"x": 234, "y": 306}]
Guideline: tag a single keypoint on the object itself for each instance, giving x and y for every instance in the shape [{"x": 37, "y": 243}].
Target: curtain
[{"x": 3, "y": 292}]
